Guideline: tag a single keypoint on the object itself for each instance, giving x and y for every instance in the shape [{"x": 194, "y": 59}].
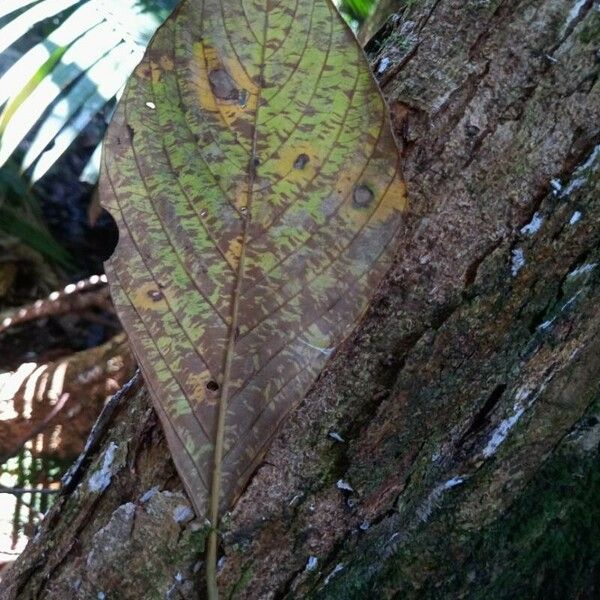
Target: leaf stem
[{"x": 215, "y": 490}]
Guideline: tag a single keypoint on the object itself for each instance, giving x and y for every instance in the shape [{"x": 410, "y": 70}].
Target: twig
[
  {"x": 92, "y": 291},
  {"x": 73, "y": 475},
  {"x": 18, "y": 491}
]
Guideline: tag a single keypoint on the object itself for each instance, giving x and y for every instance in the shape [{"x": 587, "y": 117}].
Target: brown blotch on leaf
[
  {"x": 301, "y": 161},
  {"x": 362, "y": 196},
  {"x": 155, "y": 295},
  {"x": 222, "y": 85},
  {"x": 212, "y": 386}
]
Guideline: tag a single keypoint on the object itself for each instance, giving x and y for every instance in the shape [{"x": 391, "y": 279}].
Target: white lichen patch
[
  {"x": 101, "y": 478},
  {"x": 546, "y": 324},
  {"x": 523, "y": 400},
  {"x": 344, "y": 485},
  {"x": 339, "y": 567},
  {"x": 435, "y": 496},
  {"x": 573, "y": 14},
  {"x": 384, "y": 63},
  {"x": 570, "y": 301},
  {"x": 534, "y": 225},
  {"x": 575, "y": 218},
  {"x": 183, "y": 514},
  {"x": 146, "y": 496},
  {"x": 453, "y": 482},
  {"x": 522, "y": 394},
  {"x": 580, "y": 174},
  {"x": 501, "y": 432},
  {"x": 517, "y": 262},
  {"x": 311, "y": 563},
  {"x": 582, "y": 270}
]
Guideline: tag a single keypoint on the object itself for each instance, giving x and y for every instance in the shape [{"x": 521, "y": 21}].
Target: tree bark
[{"x": 450, "y": 449}]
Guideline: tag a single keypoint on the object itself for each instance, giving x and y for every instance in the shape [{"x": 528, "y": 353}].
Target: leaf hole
[
  {"x": 301, "y": 161},
  {"x": 155, "y": 295},
  {"x": 222, "y": 85},
  {"x": 253, "y": 164},
  {"x": 362, "y": 196},
  {"x": 212, "y": 386}
]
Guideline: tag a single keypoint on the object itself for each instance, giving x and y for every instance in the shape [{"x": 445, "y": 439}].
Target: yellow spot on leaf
[
  {"x": 166, "y": 63},
  {"x": 394, "y": 200},
  {"x": 234, "y": 251},
  {"x": 288, "y": 156},
  {"x": 197, "y": 383},
  {"x": 149, "y": 297}
]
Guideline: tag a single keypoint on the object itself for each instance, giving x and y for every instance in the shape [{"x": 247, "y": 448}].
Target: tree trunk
[{"x": 450, "y": 449}]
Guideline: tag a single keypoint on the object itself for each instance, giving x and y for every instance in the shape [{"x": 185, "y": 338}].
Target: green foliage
[
  {"x": 20, "y": 217},
  {"x": 74, "y": 73},
  {"x": 357, "y": 10}
]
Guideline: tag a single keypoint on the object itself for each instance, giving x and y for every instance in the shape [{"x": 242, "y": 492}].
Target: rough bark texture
[{"x": 467, "y": 401}]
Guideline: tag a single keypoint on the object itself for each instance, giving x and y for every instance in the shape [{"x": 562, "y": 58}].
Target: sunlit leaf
[
  {"x": 22, "y": 24},
  {"x": 14, "y": 105},
  {"x": 80, "y": 105},
  {"x": 66, "y": 69},
  {"x": 23, "y": 112},
  {"x": 10, "y": 6},
  {"x": 92, "y": 168},
  {"x": 254, "y": 178},
  {"x": 83, "y": 19}
]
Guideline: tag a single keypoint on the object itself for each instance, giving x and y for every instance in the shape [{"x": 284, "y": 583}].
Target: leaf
[
  {"x": 91, "y": 51},
  {"x": 79, "y": 106},
  {"x": 83, "y": 55},
  {"x": 21, "y": 217},
  {"x": 22, "y": 23},
  {"x": 357, "y": 9},
  {"x": 252, "y": 172}
]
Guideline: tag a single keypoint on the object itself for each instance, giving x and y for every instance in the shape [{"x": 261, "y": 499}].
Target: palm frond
[{"x": 55, "y": 89}]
